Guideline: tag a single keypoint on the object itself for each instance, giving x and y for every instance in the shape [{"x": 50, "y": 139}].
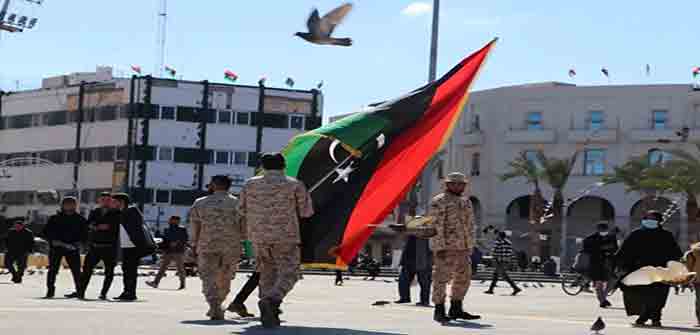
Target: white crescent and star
[
  {"x": 331, "y": 150},
  {"x": 344, "y": 173}
]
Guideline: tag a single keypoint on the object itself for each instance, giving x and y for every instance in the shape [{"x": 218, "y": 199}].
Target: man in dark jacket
[
  {"x": 416, "y": 259},
  {"x": 135, "y": 242},
  {"x": 64, "y": 232},
  {"x": 503, "y": 255},
  {"x": 601, "y": 248},
  {"x": 174, "y": 242},
  {"x": 20, "y": 242},
  {"x": 103, "y": 241}
]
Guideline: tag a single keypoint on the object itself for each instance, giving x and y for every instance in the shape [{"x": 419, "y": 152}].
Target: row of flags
[
  {"x": 695, "y": 71},
  {"x": 229, "y": 76}
]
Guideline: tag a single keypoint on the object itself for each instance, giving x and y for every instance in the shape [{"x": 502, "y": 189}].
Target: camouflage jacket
[
  {"x": 454, "y": 223},
  {"x": 272, "y": 205},
  {"x": 222, "y": 228}
]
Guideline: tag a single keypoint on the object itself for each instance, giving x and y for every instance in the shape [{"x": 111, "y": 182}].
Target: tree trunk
[
  {"x": 557, "y": 210},
  {"x": 535, "y": 214},
  {"x": 691, "y": 207}
]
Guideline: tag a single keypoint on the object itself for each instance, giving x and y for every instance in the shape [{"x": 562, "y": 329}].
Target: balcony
[
  {"x": 530, "y": 136},
  {"x": 471, "y": 139},
  {"x": 657, "y": 135},
  {"x": 592, "y": 136}
]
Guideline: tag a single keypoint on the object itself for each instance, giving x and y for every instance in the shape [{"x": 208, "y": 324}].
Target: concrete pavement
[{"x": 315, "y": 307}]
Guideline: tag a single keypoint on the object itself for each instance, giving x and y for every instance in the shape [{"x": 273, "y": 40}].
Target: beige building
[{"x": 608, "y": 124}]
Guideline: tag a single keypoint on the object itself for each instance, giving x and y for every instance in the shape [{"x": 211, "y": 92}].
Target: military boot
[
  {"x": 268, "y": 314},
  {"x": 439, "y": 314},
  {"x": 456, "y": 312}
]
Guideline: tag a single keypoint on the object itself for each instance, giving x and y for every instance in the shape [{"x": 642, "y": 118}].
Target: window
[
  {"x": 229, "y": 100},
  {"x": 20, "y": 121},
  {"x": 534, "y": 121},
  {"x": 105, "y": 154},
  {"x": 162, "y": 197},
  {"x": 57, "y": 118},
  {"x": 186, "y": 114},
  {"x": 240, "y": 158},
  {"x": 222, "y": 157},
  {"x": 532, "y": 157},
  {"x": 595, "y": 120},
  {"x": 165, "y": 154},
  {"x": 243, "y": 118},
  {"x": 167, "y": 113},
  {"x": 225, "y": 117},
  {"x": 122, "y": 152},
  {"x": 106, "y": 113},
  {"x": 658, "y": 157},
  {"x": 273, "y": 120},
  {"x": 296, "y": 122},
  {"x": 252, "y": 159},
  {"x": 476, "y": 123},
  {"x": 476, "y": 162},
  {"x": 659, "y": 119},
  {"x": 594, "y": 162},
  {"x": 89, "y": 155}
]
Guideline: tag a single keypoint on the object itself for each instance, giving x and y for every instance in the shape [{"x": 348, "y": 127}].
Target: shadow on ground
[
  {"x": 214, "y": 322},
  {"x": 467, "y": 325},
  {"x": 310, "y": 331}
]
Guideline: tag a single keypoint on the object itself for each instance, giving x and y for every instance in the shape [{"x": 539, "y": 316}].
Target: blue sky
[{"x": 539, "y": 41}]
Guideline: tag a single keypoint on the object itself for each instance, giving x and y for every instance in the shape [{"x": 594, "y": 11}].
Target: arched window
[
  {"x": 476, "y": 164},
  {"x": 657, "y": 157}
]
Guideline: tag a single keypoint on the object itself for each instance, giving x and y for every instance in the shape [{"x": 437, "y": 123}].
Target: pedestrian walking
[
  {"x": 452, "y": 246},
  {"x": 692, "y": 259},
  {"x": 20, "y": 243},
  {"x": 135, "y": 241},
  {"x": 103, "y": 243},
  {"x": 651, "y": 245},
  {"x": 503, "y": 255},
  {"x": 65, "y": 231},
  {"x": 416, "y": 260},
  {"x": 217, "y": 232},
  {"x": 175, "y": 240},
  {"x": 601, "y": 248},
  {"x": 272, "y": 205},
  {"x": 338, "y": 278}
]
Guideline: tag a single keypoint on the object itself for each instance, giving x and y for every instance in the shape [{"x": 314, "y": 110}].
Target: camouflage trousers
[
  {"x": 278, "y": 265},
  {"x": 217, "y": 269},
  {"x": 451, "y": 266}
]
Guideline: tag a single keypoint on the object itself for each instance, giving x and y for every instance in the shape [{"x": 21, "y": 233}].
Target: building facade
[
  {"x": 160, "y": 139},
  {"x": 607, "y": 125}
]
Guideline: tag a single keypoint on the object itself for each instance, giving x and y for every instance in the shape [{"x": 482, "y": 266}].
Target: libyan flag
[{"x": 359, "y": 168}]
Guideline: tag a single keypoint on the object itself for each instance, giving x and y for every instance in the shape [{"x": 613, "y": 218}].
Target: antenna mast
[{"x": 162, "y": 31}]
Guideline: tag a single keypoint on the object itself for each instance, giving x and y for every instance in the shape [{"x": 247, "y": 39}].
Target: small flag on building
[
  {"x": 572, "y": 73},
  {"x": 696, "y": 71},
  {"x": 289, "y": 82},
  {"x": 605, "y": 72},
  {"x": 136, "y": 69},
  {"x": 230, "y": 76},
  {"x": 648, "y": 70},
  {"x": 262, "y": 80},
  {"x": 319, "y": 85},
  {"x": 170, "y": 70}
]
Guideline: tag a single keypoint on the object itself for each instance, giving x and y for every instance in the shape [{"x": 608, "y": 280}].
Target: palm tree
[
  {"x": 681, "y": 175},
  {"x": 635, "y": 175},
  {"x": 556, "y": 172},
  {"x": 522, "y": 167}
]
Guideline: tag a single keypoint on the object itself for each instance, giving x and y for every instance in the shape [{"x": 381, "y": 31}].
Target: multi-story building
[
  {"x": 607, "y": 125},
  {"x": 160, "y": 139}
]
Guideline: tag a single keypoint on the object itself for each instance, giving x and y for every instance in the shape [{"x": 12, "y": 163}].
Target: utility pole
[{"x": 78, "y": 135}]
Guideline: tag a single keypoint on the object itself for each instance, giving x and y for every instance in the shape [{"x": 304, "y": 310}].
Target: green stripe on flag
[
  {"x": 355, "y": 130},
  {"x": 296, "y": 151}
]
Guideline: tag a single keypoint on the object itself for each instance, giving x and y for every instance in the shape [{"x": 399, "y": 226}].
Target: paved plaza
[{"x": 315, "y": 307}]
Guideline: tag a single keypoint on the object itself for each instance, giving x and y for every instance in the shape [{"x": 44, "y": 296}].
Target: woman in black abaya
[{"x": 651, "y": 245}]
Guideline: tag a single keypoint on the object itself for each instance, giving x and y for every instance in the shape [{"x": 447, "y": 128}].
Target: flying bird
[
  {"x": 321, "y": 28},
  {"x": 598, "y": 325}
]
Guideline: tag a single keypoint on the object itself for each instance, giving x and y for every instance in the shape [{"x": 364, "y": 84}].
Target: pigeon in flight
[
  {"x": 321, "y": 28},
  {"x": 598, "y": 325}
]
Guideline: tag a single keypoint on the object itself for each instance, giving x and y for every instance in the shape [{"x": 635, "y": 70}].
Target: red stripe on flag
[{"x": 409, "y": 153}]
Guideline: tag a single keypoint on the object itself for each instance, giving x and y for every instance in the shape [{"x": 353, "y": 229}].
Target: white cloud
[{"x": 417, "y": 9}]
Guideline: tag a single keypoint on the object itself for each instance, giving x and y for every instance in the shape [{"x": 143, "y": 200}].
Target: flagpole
[{"x": 427, "y": 175}]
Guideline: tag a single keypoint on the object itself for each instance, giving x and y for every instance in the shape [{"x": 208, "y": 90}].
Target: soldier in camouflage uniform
[
  {"x": 217, "y": 231},
  {"x": 271, "y": 205},
  {"x": 452, "y": 246}
]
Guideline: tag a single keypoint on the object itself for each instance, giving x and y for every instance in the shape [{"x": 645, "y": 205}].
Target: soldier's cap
[
  {"x": 456, "y": 177},
  {"x": 18, "y": 220},
  {"x": 69, "y": 199},
  {"x": 105, "y": 194}
]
